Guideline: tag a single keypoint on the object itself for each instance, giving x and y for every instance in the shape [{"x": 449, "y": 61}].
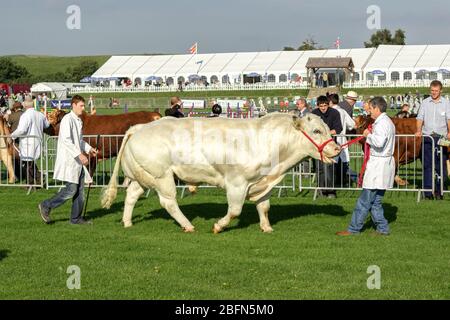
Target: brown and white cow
[{"x": 104, "y": 125}]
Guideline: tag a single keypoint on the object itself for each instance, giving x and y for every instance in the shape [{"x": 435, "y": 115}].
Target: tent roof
[
  {"x": 329, "y": 63},
  {"x": 47, "y": 87}
]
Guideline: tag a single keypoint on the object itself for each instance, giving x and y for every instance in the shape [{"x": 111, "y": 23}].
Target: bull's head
[
  {"x": 54, "y": 118},
  {"x": 316, "y": 134},
  {"x": 362, "y": 123}
]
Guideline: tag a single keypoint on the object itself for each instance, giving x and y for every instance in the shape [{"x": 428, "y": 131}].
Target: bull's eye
[{"x": 317, "y": 131}]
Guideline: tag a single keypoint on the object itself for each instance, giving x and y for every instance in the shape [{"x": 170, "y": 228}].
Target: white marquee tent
[
  {"x": 52, "y": 89},
  {"x": 390, "y": 62}
]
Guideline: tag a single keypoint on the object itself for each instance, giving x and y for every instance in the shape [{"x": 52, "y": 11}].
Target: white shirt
[
  {"x": 31, "y": 123},
  {"x": 380, "y": 170},
  {"x": 347, "y": 124},
  {"x": 70, "y": 145}
]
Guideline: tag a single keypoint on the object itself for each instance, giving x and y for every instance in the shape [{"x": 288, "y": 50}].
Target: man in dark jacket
[
  {"x": 175, "y": 109},
  {"x": 332, "y": 119}
]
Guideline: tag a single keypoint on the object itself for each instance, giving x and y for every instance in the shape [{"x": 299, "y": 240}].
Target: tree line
[
  {"x": 380, "y": 37},
  {"x": 11, "y": 72}
]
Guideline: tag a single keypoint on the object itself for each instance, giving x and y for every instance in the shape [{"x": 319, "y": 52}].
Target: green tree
[
  {"x": 11, "y": 71},
  {"x": 384, "y": 36},
  {"x": 85, "y": 69},
  {"x": 288, "y": 49},
  {"x": 309, "y": 44}
]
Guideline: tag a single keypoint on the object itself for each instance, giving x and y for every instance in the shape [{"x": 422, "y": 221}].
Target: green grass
[
  {"x": 43, "y": 65},
  {"x": 302, "y": 259}
]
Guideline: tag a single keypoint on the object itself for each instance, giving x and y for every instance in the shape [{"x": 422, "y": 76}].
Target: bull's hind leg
[
  {"x": 263, "y": 206},
  {"x": 167, "y": 193},
  {"x": 236, "y": 198},
  {"x": 134, "y": 191}
]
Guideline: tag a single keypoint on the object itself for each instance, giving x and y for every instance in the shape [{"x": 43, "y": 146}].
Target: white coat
[
  {"x": 380, "y": 170},
  {"x": 347, "y": 124},
  {"x": 31, "y": 123},
  {"x": 70, "y": 145}
]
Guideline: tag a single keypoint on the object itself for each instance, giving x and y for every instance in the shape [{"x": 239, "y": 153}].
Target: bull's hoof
[
  {"x": 127, "y": 224},
  {"x": 217, "y": 229},
  {"x": 266, "y": 229},
  {"x": 399, "y": 181},
  {"x": 188, "y": 229}
]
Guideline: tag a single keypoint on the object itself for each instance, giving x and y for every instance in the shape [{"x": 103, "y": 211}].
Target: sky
[{"x": 39, "y": 27}]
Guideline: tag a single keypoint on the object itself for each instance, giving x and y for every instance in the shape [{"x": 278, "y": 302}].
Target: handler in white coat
[
  {"x": 380, "y": 171},
  {"x": 70, "y": 165},
  {"x": 30, "y": 130}
]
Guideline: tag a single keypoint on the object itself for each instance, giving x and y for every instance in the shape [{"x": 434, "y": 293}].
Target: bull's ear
[{"x": 297, "y": 123}]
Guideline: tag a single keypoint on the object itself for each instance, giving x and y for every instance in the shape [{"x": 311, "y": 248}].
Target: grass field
[
  {"x": 43, "y": 65},
  {"x": 302, "y": 259}
]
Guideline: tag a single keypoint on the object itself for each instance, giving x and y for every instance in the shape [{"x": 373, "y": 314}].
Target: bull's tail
[{"x": 109, "y": 194}]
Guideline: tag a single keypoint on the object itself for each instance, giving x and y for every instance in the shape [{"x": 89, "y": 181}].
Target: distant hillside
[{"x": 42, "y": 65}]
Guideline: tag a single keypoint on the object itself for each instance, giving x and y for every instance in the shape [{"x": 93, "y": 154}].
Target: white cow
[{"x": 245, "y": 157}]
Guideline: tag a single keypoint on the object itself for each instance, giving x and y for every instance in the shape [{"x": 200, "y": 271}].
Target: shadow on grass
[
  {"x": 249, "y": 215},
  {"x": 3, "y": 254},
  {"x": 390, "y": 213}
]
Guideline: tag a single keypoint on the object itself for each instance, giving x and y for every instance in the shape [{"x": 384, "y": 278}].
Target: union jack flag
[{"x": 193, "y": 49}]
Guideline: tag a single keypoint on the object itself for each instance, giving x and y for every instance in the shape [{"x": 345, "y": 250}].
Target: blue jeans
[
  {"x": 72, "y": 191},
  {"x": 428, "y": 165},
  {"x": 369, "y": 200}
]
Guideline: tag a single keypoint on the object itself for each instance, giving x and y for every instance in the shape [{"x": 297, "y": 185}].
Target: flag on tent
[
  {"x": 193, "y": 49},
  {"x": 337, "y": 43}
]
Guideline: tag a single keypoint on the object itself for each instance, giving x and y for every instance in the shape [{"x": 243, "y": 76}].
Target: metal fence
[
  {"x": 324, "y": 180},
  {"x": 308, "y": 175},
  {"x": 22, "y": 163}
]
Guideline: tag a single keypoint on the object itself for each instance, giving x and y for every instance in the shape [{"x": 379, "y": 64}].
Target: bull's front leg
[
  {"x": 236, "y": 198},
  {"x": 263, "y": 206}
]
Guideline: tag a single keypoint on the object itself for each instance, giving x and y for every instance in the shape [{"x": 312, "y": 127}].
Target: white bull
[{"x": 245, "y": 157}]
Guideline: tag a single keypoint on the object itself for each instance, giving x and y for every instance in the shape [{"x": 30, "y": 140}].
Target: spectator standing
[
  {"x": 349, "y": 102},
  {"x": 302, "y": 107},
  {"x": 343, "y": 160},
  {"x": 434, "y": 120},
  {"x": 325, "y": 79},
  {"x": 175, "y": 108},
  {"x": 31, "y": 123},
  {"x": 332, "y": 119}
]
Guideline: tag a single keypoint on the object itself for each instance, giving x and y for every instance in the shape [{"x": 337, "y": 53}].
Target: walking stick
[{"x": 90, "y": 183}]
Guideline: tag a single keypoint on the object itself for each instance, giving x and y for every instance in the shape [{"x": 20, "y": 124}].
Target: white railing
[
  {"x": 391, "y": 84},
  {"x": 195, "y": 88}
]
